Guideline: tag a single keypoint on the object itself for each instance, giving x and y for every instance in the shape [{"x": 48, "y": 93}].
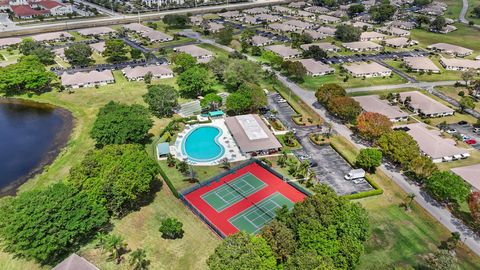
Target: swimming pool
[{"x": 201, "y": 144}]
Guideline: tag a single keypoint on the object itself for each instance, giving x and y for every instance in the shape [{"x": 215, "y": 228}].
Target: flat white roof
[{"x": 252, "y": 127}]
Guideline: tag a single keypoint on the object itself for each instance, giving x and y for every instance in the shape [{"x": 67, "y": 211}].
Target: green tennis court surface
[
  {"x": 233, "y": 191},
  {"x": 252, "y": 219}
]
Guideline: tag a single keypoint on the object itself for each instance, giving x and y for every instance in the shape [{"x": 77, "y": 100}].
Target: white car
[{"x": 451, "y": 131}]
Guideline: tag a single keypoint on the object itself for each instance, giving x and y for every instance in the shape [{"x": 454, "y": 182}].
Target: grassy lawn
[
  {"x": 444, "y": 75},
  {"x": 465, "y": 36},
  {"x": 399, "y": 238},
  {"x": 140, "y": 230},
  {"x": 453, "y": 91},
  {"x": 216, "y": 50},
  {"x": 383, "y": 92},
  {"x": 313, "y": 83}
]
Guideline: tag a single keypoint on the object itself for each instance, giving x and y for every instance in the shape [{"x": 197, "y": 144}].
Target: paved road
[
  {"x": 463, "y": 13},
  {"x": 439, "y": 212},
  {"x": 115, "y": 20},
  {"x": 423, "y": 85}
]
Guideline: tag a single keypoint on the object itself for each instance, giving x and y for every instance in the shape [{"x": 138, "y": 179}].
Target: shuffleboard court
[
  {"x": 234, "y": 191},
  {"x": 252, "y": 219}
]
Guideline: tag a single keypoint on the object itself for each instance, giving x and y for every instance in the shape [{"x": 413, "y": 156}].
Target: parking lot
[
  {"x": 468, "y": 131},
  {"x": 329, "y": 167}
]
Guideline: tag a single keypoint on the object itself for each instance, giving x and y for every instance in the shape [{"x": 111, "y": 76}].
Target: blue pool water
[{"x": 201, "y": 144}]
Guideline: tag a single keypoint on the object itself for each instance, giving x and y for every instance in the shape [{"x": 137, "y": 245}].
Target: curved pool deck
[{"x": 206, "y": 144}]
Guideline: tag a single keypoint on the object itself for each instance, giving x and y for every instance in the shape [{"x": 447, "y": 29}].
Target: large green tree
[
  {"x": 161, "y": 100},
  {"x": 238, "y": 72},
  {"x": 314, "y": 52},
  {"x": 371, "y": 125},
  {"x": 399, "y": 146},
  {"x": 79, "y": 54},
  {"x": 383, "y": 12},
  {"x": 347, "y": 33},
  {"x": 171, "y": 228},
  {"x": 195, "y": 81},
  {"x": 120, "y": 176},
  {"x": 225, "y": 35},
  {"x": 27, "y": 76},
  {"x": 328, "y": 91},
  {"x": 448, "y": 187},
  {"x": 345, "y": 108},
  {"x": 49, "y": 224},
  {"x": 280, "y": 238},
  {"x": 211, "y": 101},
  {"x": 242, "y": 251},
  {"x": 176, "y": 20},
  {"x": 438, "y": 23},
  {"x": 330, "y": 226},
  {"x": 115, "y": 50},
  {"x": 119, "y": 123},
  {"x": 30, "y": 47},
  {"x": 183, "y": 61},
  {"x": 369, "y": 159}
]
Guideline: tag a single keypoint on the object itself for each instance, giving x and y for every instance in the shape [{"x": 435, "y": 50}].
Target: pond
[{"x": 31, "y": 136}]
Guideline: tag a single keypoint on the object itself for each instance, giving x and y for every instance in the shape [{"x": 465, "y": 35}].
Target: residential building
[
  {"x": 75, "y": 262},
  {"x": 317, "y": 9},
  {"x": 394, "y": 31},
  {"x": 400, "y": 42},
  {"x": 138, "y": 73},
  {"x": 283, "y": 10},
  {"x": 328, "y": 19},
  {"x": 329, "y": 31},
  {"x": 252, "y": 135},
  {"x": 99, "y": 47},
  {"x": 282, "y": 27},
  {"x": 369, "y": 36},
  {"x": 315, "y": 68},
  {"x": 374, "y": 104},
  {"x": 201, "y": 54},
  {"x": 87, "y": 79},
  {"x": 196, "y": 20},
  {"x": 96, "y": 31},
  {"x": 284, "y": 51},
  {"x": 53, "y": 37},
  {"x": 363, "y": 25},
  {"x": 328, "y": 47},
  {"x": 367, "y": 70},
  {"x": 214, "y": 27},
  {"x": 268, "y": 18},
  {"x": 315, "y": 34},
  {"x": 230, "y": 14},
  {"x": 434, "y": 145},
  {"x": 459, "y": 64},
  {"x": 362, "y": 46},
  {"x": 261, "y": 41},
  {"x": 421, "y": 64},
  {"x": 403, "y": 25},
  {"x": 6, "y": 42},
  {"x": 300, "y": 25},
  {"x": 137, "y": 27},
  {"x": 424, "y": 105},
  {"x": 156, "y": 36},
  {"x": 450, "y": 49},
  {"x": 470, "y": 174}
]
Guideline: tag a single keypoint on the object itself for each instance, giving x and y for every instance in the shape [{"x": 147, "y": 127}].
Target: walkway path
[
  {"x": 437, "y": 211},
  {"x": 463, "y": 13},
  {"x": 440, "y": 213}
]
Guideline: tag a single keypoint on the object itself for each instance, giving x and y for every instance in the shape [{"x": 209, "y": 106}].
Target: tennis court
[
  {"x": 243, "y": 199},
  {"x": 233, "y": 191},
  {"x": 252, "y": 219}
]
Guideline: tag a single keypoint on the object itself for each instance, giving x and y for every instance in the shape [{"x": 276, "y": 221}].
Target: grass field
[
  {"x": 313, "y": 83},
  {"x": 465, "y": 36},
  {"x": 399, "y": 238},
  {"x": 452, "y": 92}
]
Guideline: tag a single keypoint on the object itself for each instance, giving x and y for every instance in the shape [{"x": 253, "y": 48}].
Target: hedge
[
  {"x": 169, "y": 183},
  {"x": 376, "y": 191}
]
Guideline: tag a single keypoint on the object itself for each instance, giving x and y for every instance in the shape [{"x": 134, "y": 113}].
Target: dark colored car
[{"x": 462, "y": 123}]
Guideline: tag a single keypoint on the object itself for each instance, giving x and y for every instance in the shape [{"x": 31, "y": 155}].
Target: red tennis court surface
[{"x": 247, "y": 197}]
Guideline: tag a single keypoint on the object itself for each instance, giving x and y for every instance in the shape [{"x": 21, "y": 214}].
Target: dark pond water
[{"x": 31, "y": 136}]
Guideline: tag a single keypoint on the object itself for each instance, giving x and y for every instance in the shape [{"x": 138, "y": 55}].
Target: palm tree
[
  {"x": 282, "y": 160},
  {"x": 138, "y": 260},
  {"x": 170, "y": 160},
  {"x": 410, "y": 198},
  {"x": 115, "y": 245},
  {"x": 302, "y": 169}
]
